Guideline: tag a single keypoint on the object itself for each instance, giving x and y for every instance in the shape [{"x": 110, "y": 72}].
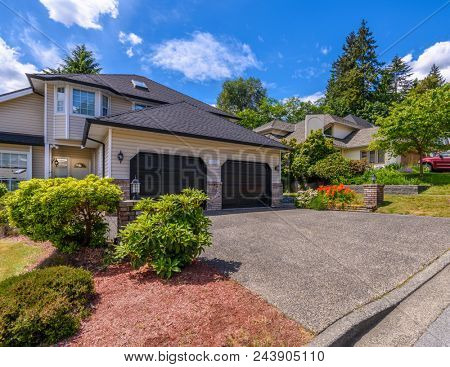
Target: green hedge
[
  {"x": 43, "y": 306},
  {"x": 169, "y": 234},
  {"x": 388, "y": 175},
  {"x": 66, "y": 211}
]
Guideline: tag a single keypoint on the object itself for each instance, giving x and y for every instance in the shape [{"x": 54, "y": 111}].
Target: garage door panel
[
  {"x": 161, "y": 174},
  {"x": 245, "y": 184}
]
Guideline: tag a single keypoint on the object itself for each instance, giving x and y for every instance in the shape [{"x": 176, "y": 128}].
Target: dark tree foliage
[{"x": 79, "y": 61}]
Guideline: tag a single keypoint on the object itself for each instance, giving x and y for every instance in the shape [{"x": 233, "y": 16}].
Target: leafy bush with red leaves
[{"x": 337, "y": 195}]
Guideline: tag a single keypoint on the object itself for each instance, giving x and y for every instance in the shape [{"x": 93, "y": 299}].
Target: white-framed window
[
  {"x": 381, "y": 156},
  {"x": 83, "y": 102},
  {"x": 105, "y": 105},
  {"x": 372, "y": 156},
  {"x": 363, "y": 155},
  {"x": 60, "y": 99},
  {"x": 14, "y": 167},
  {"x": 139, "y": 106}
]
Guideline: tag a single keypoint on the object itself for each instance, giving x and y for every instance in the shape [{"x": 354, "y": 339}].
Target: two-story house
[
  {"x": 128, "y": 126},
  {"x": 351, "y": 135}
]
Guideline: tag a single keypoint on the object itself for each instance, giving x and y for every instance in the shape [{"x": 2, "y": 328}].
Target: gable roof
[
  {"x": 184, "y": 119},
  {"x": 122, "y": 84},
  {"x": 358, "y": 121},
  {"x": 359, "y": 138},
  {"x": 16, "y": 94}
]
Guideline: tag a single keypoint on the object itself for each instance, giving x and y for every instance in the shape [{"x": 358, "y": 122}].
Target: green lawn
[
  {"x": 15, "y": 257},
  {"x": 435, "y": 201}
]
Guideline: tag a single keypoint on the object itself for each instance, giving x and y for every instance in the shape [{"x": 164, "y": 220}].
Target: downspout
[{"x": 103, "y": 153}]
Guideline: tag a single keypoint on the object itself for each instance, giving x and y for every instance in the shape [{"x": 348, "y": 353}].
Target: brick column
[
  {"x": 125, "y": 213},
  {"x": 373, "y": 195},
  {"x": 277, "y": 194},
  {"x": 124, "y": 186},
  {"x": 214, "y": 192}
]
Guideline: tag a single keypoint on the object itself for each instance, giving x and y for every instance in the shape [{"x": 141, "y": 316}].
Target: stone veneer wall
[
  {"x": 394, "y": 189},
  {"x": 124, "y": 186},
  {"x": 125, "y": 213},
  {"x": 373, "y": 195},
  {"x": 214, "y": 192},
  {"x": 277, "y": 194}
]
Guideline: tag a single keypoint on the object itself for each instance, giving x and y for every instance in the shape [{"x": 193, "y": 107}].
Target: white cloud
[
  {"x": 12, "y": 71},
  {"x": 131, "y": 38},
  {"x": 438, "y": 54},
  {"x": 312, "y": 98},
  {"x": 45, "y": 55},
  {"x": 85, "y": 13},
  {"x": 325, "y": 50},
  {"x": 203, "y": 57}
]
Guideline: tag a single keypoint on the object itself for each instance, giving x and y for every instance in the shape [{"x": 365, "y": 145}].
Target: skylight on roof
[{"x": 139, "y": 84}]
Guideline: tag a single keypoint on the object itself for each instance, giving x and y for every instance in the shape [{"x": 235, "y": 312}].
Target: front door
[{"x": 71, "y": 167}]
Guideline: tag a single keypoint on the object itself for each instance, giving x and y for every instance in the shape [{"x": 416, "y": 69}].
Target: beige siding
[
  {"x": 76, "y": 127},
  {"x": 38, "y": 162},
  {"x": 213, "y": 153},
  {"x": 59, "y": 126},
  {"x": 341, "y": 131},
  {"x": 23, "y": 115},
  {"x": 64, "y": 151},
  {"x": 119, "y": 105},
  {"x": 353, "y": 154}
]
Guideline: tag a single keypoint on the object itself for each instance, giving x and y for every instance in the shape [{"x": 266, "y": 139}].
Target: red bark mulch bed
[{"x": 198, "y": 307}]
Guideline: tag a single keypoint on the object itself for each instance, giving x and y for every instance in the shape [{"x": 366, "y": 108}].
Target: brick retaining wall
[{"x": 394, "y": 189}]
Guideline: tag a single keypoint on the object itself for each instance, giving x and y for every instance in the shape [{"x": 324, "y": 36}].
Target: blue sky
[{"x": 193, "y": 46}]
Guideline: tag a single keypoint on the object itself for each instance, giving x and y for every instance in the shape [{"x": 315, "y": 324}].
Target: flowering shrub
[
  {"x": 337, "y": 195},
  {"x": 304, "y": 198}
]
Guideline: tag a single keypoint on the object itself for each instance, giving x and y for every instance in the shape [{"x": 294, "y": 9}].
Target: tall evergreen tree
[
  {"x": 79, "y": 61},
  {"x": 433, "y": 80},
  {"x": 354, "y": 75}
]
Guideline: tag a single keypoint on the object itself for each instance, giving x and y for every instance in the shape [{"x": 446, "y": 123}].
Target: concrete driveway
[{"x": 316, "y": 266}]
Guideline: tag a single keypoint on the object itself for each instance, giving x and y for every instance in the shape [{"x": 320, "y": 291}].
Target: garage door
[
  {"x": 246, "y": 184},
  {"x": 161, "y": 174}
]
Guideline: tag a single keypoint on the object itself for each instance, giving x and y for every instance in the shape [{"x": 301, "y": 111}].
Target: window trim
[
  {"x": 29, "y": 155},
  {"x": 101, "y": 104},
  {"x": 63, "y": 112},
  {"x": 361, "y": 152},
  {"x": 81, "y": 114}
]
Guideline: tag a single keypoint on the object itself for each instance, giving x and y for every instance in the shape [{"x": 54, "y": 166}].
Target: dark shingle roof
[
  {"x": 22, "y": 139},
  {"x": 185, "y": 119},
  {"x": 276, "y": 124},
  {"x": 122, "y": 84}
]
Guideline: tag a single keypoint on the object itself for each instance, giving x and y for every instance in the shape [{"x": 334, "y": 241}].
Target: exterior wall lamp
[
  {"x": 120, "y": 157},
  {"x": 135, "y": 188}
]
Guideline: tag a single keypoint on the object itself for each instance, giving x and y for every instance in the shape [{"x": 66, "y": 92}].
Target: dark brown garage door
[
  {"x": 246, "y": 184},
  {"x": 161, "y": 174}
]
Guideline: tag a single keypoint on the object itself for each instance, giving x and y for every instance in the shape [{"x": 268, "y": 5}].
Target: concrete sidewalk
[{"x": 317, "y": 266}]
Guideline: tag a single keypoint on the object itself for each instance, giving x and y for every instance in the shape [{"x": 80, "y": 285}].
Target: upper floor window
[
  {"x": 60, "y": 98},
  {"x": 105, "y": 105},
  {"x": 83, "y": 102},
  {"x": 139, "y": 106}
]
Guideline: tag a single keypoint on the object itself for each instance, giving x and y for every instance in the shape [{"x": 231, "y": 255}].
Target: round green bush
[
  {"x": 43, "y": 306},
  {"x": 332, "y": 168},
  {"x": 66, "y": 211},
  {"x": 169, "y": 234}
]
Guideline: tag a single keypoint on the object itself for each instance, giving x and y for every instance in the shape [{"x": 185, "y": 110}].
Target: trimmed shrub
[
  {"x": 319, "y": 202},
  {"x": 169, "y": 234},
  {"x": 358, "y": 167},
  {"x": 43, "y": 306},
  {"x": 304, "y": 198},
  {"x": 388, "y": 175},
  {"x": 66, "y": 211},
  {"x": 332, "y": 168}
]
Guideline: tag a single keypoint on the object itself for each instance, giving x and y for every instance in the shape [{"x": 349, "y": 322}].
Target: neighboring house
[
  {"x": 351, "y": 135},
  {"x": 127, "y": 126}
]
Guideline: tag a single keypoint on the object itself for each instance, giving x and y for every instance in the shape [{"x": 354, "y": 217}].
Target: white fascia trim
[
  {"x": 109, "y": 174},
  {"x": 68, "y": 92},
  {"x": 17, "y": 94},
  {"x": 45, "y": 114}
]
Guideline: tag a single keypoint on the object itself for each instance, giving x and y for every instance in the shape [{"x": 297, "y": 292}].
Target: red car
[{"x": 440, "y": 162}]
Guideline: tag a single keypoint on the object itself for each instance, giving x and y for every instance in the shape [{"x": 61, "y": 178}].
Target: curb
[{"x": 345, "y": 331}]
